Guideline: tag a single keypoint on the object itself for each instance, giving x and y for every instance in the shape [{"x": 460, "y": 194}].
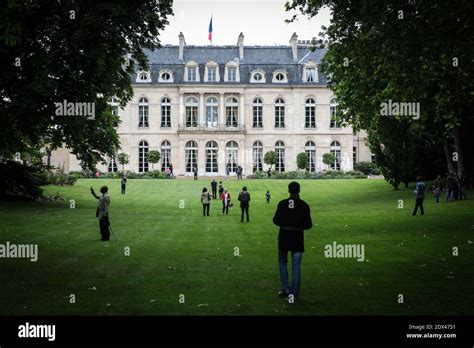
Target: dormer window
[
  {"x": 279, "y": 77},
  {"x": 165, "y": 76},
  {"x": 143, "y": 76},
  {"x": 231, "y": 73},
  {"x": 211, "y": 73},
  {"x": 310, "y": 72},
  {"x": 191, "y": 72},
  {"x": 257, "y": 76}
]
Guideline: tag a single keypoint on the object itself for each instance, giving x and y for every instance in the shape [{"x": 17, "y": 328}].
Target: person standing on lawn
[
  {"x": 206, "y": 201},
  {"x": 225, "y": 198},
  {"x": 214, "y": 188},
  {"x": 293, "y": 216},
  {"x": 102, "y": 212},
  {"x": 244, "y": 199},
  {"x": 437, "y": 188},
  {"x": 123, "y": 184},
  {"x": 420, "y": 196}
]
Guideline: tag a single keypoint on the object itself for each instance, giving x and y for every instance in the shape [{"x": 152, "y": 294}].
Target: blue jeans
[{"x": 295, "y": 272}]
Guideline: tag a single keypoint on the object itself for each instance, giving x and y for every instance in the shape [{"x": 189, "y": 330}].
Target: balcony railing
[{"x": 205, "y": 129}]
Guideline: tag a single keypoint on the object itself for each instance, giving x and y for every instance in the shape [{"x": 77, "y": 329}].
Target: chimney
[
  {"x": 240, "y": 43},
  {"x": 182, "y": 43},
  {"x": 294, "y": 46}
]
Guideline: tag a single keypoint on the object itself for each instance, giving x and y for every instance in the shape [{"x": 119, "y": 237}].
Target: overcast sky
[{"x": 261, "y": 21}]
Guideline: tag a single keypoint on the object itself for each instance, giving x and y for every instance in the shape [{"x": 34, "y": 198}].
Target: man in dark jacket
[
  {"x": 293, "y": 217},
  {"x": 420, "y": 195},
  {"x": 244, "y": 199},
  {"x": 214, "y": 188}
]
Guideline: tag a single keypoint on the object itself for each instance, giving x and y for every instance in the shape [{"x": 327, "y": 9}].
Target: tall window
[
  {"x": 310, "y": 74},
  {"x": 142, "y": 157},
  {"x": 191, "y": 153},
  {"x": 231, "y": 111},
  {"x": 231, "y": 74},
  {"x": 143, "y": 112},
  {"x": 211, "y": 157},
  {"x": 280, "y": 151},
  {"x": 354, "y": 155},
  {"x": 336, "y": 151},
  {"x": 310, "y": 149},
  {"x": 280, "y": 113},
  {"x": 192, "y": 74},
  {"x": 212, "y": 74},
  {"x": 112, "y": 167},
  {"x": 191, "y": 112},
  {"x": 232, "y": 156},
  {"x": 165, "y": 155},
  {"x": 335, "y": 122},
  {"x": 211, "y": 112},
  {"x": 257, "y": 156},
  {"x": 310, "y": 113},
  {"x": 114, "y": 103},
  {"x": 166, "y": 112},
  {"x": 257, "y": 113}
]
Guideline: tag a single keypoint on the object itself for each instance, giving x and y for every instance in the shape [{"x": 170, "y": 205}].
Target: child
[{"x": 268, "y": 197}]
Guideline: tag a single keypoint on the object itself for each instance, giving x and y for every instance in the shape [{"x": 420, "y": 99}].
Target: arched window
[
  {"x": 231, "y": 156},
  {"x": 257, "y": 113},
  {"x": 211, "y": 157},
  {"x": 310, "y": 149},
  {"x": 165, "y": 76},
  {"x": 257, "y": 76},
  {"x": 310, "y": 113},
  {"x": 280, "y": 77},
  {"x": 231, "y": 112},
  {"x": 336, "y": 151},
  {"x": 165, "y": 155},
  {"x": 257, "y": 156},
  {"x": 143, "y": 76},
  {"x": 279, "y": 113},
  {"x": 280, "y": 151},
  {"x": 212, "y": 112},
  {"x": 166, "y": 112},
  {"x": 143, "y": 112},
  {"x": 335, "y": 121},
  {"x": 142, "y": 157},
  {"x": 191, "y": 153},
  {"x": 112, "y": 165},
  {"x": 191, "y": 112}
]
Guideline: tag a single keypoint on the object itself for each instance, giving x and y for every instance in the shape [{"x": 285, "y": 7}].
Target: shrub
[{"x": 19, "y": 181}]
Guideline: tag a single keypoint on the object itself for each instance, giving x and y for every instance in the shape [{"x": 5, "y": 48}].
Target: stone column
[
  {"x": 182, "y": 116},
  {"x": 202, "y": 114},
  {"x": 221, "y": 110},
  {"x": 242, "y": 110}
]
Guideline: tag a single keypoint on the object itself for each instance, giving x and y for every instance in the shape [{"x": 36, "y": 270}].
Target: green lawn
[{"x": 178, "y": 251}]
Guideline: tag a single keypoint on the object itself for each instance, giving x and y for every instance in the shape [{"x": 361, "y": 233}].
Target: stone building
[{"x": 215, "y": 108}]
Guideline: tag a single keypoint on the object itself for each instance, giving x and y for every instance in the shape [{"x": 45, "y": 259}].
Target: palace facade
[{"x": 215, "y": 108}]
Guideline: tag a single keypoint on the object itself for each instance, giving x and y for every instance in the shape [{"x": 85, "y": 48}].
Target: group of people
[
  {"x": 225, "y": 198},
  {"x": 455, "y": 190}
]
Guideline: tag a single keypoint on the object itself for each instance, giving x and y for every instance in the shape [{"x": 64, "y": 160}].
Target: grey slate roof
[{"x": 266, "y": 58}]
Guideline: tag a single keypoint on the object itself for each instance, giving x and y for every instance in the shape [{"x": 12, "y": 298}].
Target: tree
[
  {"x": 270, "y": 158},
  {"x": 404, "y": 51},
  {"x": 56, "y": 52},
  {"x": 302, "y": 160},
  {"x": 153, "y": 157},
  {"x": 122, "y": 159},
  {"x": 329, "y": 158}
]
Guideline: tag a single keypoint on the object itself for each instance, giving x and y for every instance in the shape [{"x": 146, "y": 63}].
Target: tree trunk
[
  {"x": 458, "y": 144},
  {"x": 448, "y": 154}
]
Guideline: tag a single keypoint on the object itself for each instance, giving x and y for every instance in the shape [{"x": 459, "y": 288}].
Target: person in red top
[{"x": 225, "y": 198}]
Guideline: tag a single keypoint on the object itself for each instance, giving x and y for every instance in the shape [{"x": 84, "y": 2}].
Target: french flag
[{"x": 209, "y": 37}]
